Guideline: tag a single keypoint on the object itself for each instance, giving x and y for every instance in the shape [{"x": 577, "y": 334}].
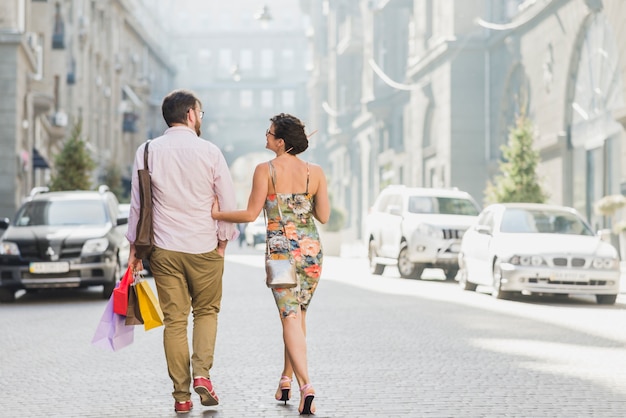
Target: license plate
[
  {"x": 570, "y": 277},
  {"x": 54, "y": 267}
]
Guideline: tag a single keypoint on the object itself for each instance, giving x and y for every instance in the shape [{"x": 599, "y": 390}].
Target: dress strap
[{"x": 307, "y": 178}]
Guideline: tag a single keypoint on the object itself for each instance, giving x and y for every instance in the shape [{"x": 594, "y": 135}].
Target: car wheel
[
  {"x": 497, "y": 291},
  {"x": 464, "y": 283},
  {"x": 107, "y": 288},
  {"x": 375, "y": 268},
  {"x": 406, "y": 267},
  {"x": 451, "y": 273},
  {"x": 606, "y": 299},
  {"x": 7, "y": 295}
]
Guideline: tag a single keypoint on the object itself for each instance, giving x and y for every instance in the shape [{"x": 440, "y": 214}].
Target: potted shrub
[
  {"x": 330, "y": 233},
  {"x": 608, "y": 206}
]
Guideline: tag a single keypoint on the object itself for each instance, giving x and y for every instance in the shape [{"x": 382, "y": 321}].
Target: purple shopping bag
[{"x": 112, "y": 333}]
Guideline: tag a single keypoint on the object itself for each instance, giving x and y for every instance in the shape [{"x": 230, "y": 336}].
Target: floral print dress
[{"x": 305, "y": 247}]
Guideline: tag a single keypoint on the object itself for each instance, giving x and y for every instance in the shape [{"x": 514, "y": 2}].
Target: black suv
[{"x": 60, "y": 240}]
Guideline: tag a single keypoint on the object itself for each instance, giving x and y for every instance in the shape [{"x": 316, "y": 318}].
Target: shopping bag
[
  {"x": 112, "y": 333},
  {"x": 133, "y": 314},
  {"x": 120, "y": 293},
  {"x": 149, "y": 306}
]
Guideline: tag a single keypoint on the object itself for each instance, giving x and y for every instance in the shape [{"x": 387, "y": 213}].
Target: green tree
[
  {"x": 113, "y": 179},
  {"x": 518, "y": 181},
  {"x": 73, "y": 165},
  {"x": 337, "y": 218}
]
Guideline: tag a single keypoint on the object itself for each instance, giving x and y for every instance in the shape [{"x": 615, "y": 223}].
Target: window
[
  {"x": 204, "y": 57},
  {"x": 267, "y": 98},
  {"x": 225, "y": 60},
  {"x": 245, "y": 59},
  {"x": 245, "y": 99},
  {"x": 289, "y": 98},
  {"x": 287, "y": 61},
  {"x": 267, "y": 63},
  {"x": 225, "y": 98},
  {"x": 69, "y": 212}
]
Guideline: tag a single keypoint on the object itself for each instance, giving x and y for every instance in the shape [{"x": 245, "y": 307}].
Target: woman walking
[{"x": 292, "y": 192}]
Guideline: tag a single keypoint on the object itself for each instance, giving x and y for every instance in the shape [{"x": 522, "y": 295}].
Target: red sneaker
[
  {"x": 183, "y": 407},
  {"x": 204, "y": 388}
]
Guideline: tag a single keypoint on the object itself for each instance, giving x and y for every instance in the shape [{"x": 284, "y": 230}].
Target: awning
[
  {"x": 132, "y": 96},
  {"x": 38, "y": 160}
]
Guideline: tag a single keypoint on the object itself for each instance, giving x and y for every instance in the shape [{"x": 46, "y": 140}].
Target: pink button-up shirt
[{"x": 187, "y": 173}]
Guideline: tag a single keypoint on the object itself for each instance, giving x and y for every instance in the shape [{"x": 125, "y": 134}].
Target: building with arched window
[{"x": 433, "y": 96}]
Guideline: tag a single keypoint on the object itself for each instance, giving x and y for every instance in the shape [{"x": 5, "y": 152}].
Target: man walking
[{"x": 188, "y": 173}]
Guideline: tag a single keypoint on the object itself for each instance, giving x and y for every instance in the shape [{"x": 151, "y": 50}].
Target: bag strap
[
  {"x": 280, "y": 212},
  {"x": 273, "y": 177},
  {"x": 145, "y": 155}
]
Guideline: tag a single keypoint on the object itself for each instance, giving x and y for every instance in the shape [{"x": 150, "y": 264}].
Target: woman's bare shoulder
[
  {"x": 316, "y": 169},
  {"x": 262, "y": 167}
]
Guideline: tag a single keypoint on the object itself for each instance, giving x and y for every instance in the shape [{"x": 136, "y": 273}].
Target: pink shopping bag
[{"x": 112, "y": 333}]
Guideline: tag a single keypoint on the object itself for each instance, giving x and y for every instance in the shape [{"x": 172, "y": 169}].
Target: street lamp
[
  {"x": 263, "y": 16},
  {"x": 234, "y": 72}
]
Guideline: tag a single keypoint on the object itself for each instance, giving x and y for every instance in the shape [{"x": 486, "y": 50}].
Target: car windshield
[
  {"x": 442, "y": 205},
  {"x": 543, "y": 222},
  {"x": 62, "y": 212}
]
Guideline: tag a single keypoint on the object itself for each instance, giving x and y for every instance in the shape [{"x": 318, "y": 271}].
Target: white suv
[{"x": 418, "y": 228}]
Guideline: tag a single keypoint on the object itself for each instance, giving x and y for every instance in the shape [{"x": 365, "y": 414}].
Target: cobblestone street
[{"x": 379, "y": 346}]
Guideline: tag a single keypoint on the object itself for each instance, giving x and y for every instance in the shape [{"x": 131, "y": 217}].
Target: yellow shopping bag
[{"x": 149, "y": 306}]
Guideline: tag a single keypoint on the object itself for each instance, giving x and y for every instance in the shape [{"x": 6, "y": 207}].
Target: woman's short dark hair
[
  {"x": 176, "y": 105},
  {"x": 291, "y": 130}
]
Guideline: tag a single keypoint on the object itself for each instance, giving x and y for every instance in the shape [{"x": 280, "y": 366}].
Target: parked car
[
  {"x": 61, "y": 240},
  {"x": 537, "y": 248},
  {"x": 418, "y": 228},
  {"x": 255, "y": 231}
]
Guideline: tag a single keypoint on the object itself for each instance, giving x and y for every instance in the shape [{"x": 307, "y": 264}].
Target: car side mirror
[
  {"x": 395, "y": 210},
  {"x": 4, "y": 223},
  {"x": 483, "y": 229}
]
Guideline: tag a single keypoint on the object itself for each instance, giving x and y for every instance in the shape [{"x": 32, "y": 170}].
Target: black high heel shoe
[
  {"x": 284, "y": 386},
  {"x": 307, "y": 394}
]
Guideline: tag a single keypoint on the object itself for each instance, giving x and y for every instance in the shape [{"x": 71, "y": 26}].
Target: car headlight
[
  {"x": 9, "y": 248},
  {"x": 527, "y": 260},
  {"x": 430, "y": 231},
  {"x": 95, "y": 246},
  {"x": 604, "y": 263}
]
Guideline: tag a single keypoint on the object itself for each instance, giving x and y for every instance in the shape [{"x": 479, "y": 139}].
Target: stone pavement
[{"x": 378, "y": 347}]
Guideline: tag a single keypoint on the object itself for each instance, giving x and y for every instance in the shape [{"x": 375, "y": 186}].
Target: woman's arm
[
  {"x": 321, "y": 211},
  {"x": 255, "y": 201}
]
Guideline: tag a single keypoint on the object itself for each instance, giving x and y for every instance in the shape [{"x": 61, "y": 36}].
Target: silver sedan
[{"x": 537, "y": 249}]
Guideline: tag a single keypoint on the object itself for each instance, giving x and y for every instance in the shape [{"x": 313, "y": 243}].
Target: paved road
[{"x": 379, "y": 347}]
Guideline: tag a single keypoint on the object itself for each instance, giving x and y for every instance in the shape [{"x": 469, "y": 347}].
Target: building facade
[
  {"x": 424, "y": 92},
  {"x": 246, "y": 62},
  {"x": 76, "y": 61}
]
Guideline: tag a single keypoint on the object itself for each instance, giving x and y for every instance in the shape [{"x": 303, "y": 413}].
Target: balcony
[{"x": 350, "y": 36}]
